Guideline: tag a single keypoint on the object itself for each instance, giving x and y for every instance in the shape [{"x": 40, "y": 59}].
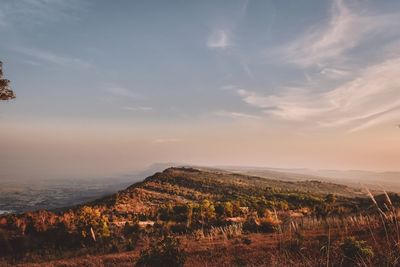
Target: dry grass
[{"x": 302, "y": 241}]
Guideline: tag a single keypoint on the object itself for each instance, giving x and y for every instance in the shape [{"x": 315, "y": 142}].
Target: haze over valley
[{"x": 199, "y": 133}]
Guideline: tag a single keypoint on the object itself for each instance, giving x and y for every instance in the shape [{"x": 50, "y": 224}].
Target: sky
[{"x": 104, "y": 88}]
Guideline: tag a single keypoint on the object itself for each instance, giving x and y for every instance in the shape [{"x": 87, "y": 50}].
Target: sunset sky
[{"x": 107, "y": 87}]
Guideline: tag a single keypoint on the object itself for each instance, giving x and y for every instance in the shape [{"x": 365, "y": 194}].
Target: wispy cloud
[
  {"x": 329, "y": 43},
  {"x": 387, "y": 117},
  {"x": 140, "y": 109},
  {"x": 122, "y": 92},
  {"x": 236, "y": 115},
  {"x": 36, "y": 12},
  {"x": 53, "y": 58},
  {"x": 219, "y": 39},
  {"x": 335, "y": 73},
  {"x": 32, "y": 62},
  {"x": 369, "y": 99},
  {"x": 341, "y": 88},
  {"x": 290, "y": 104},
  {"x": 228, "y": 87}
]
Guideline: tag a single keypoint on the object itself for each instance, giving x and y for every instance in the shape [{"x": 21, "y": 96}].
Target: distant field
[{"x": 20, "y": 196}]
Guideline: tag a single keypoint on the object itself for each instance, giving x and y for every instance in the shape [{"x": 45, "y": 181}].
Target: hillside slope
[
  {"x": 183, "y": 185},
  {"x": 190, "y": 204}
]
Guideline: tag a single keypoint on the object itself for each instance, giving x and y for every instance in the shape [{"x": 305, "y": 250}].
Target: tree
[
  {"x": 189, "y": 214},
  {"x": 207, "y": 211},
  {"x": 5, "y": 92},
  {"x": 92, "y": 224},
  {"x": 228, "y": 209}
]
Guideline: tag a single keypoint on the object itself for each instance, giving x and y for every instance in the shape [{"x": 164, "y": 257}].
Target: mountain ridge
[{"x": 181, "y": 185}]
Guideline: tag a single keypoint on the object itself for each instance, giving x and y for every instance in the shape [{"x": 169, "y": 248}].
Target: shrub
[
  {"x": 246, "y": 241},
  {"x": 164, "y": 253},
  {"x": 178, "y": 228},
  {"x": 131, "y": 229},
  {"x": 227, "y": 232},
  {"x": 268, "y": 225},
  {"x": 131, "y": 244},
  {"x": 251, "y": 225},
  {"x": 354, "y": 250}
]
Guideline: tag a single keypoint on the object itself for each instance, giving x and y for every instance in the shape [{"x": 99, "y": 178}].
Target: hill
[
  {"x": 186, "y": 210},
  {"x": 354, "y": 178},
  {"x": 180, "y": 185}
]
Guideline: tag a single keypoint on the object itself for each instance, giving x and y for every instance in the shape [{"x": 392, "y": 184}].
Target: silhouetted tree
[{"x": 5, "y": 92}]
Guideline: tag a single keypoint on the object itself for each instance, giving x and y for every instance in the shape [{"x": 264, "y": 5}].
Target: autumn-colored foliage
[
  {"x": 92, "y": 223},
  {"x": 198, "y": 209}
]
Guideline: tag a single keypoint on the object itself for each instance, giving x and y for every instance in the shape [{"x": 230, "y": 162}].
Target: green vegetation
[
  {"x": 164, "y": 253},
  {"x": 92, "y": 224},
  {"x": 190, "y": 204},
  {"x": 355, "y": 250}
]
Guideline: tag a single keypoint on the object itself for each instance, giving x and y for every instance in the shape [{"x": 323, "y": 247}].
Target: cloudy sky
[{"x": 104, "y": 88}]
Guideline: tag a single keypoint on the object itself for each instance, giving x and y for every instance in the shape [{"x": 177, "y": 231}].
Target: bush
[
  {"x": 165, "y": 253},
  {"x": 269, "y": 225},
  {"x": 354, "y": 250},
  {"x": 178, "y": 228},
  {"x": 251, "y": 225},
  {"x": 246, "y": 241},
  {"x": 131, "y": 229}
]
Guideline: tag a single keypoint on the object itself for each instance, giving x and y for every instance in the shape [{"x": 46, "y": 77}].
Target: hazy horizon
[{"x": 105, "y": 89}]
